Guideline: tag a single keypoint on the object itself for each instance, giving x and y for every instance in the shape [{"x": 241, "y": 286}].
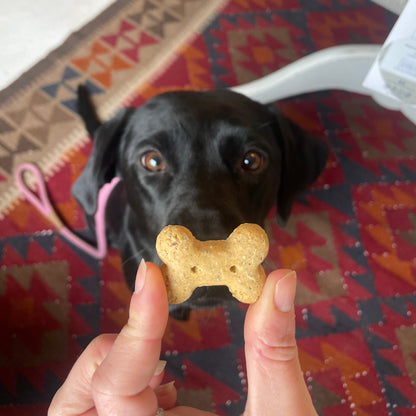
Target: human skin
[{"x": 105, "y": 380}]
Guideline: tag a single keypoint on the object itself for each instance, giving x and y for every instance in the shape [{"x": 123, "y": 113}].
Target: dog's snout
[
  {"x": 207, "y": 224},
  {"x": 214, "y": 223}
]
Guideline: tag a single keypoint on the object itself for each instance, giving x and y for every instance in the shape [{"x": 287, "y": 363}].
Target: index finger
[{"x": 121, "y": 382}]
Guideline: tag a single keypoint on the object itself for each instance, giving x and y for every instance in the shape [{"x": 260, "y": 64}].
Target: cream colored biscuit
[{"x": 235, "y": 262}]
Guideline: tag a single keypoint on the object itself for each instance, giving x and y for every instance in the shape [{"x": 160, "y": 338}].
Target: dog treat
[{"x": 235, "y": 262}]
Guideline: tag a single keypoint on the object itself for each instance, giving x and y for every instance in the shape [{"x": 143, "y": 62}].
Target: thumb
[{"x": 275, "y": 381}]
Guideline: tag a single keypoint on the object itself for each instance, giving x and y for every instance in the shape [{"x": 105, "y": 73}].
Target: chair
[{"x": 339, "y": 67}]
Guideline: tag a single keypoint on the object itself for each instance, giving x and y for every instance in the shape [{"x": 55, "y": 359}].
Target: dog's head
[{"x": 206, "y": 160}]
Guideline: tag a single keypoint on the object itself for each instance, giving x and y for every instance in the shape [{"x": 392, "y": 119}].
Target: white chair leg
[{"x": 339, "y": 67}]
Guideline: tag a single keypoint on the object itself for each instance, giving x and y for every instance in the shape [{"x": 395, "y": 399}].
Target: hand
[
  {"x": 121, "y": 374},
  {"x": 275, "y": 381}
]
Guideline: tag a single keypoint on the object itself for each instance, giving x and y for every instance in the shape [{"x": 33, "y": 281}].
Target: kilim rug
[{"x": 351, "y": 238}]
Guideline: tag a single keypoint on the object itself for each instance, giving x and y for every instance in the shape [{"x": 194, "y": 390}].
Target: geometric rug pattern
[{"x": 351, "y": 237}]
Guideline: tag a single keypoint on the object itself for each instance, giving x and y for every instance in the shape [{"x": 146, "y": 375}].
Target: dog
[{"x": 207, "y": 160}]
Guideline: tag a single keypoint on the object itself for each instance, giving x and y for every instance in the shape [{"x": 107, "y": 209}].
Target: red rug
[{"x": 352, "y": 238}]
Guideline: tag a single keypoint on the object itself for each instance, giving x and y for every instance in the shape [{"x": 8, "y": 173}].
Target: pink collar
[{"x": 42, "y": 203}]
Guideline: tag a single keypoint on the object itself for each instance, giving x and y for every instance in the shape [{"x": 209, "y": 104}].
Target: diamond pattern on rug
[{"x": 351, "y": 237}]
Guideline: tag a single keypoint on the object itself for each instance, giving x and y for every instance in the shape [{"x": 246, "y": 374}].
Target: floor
[{"x": 29, "y": 30}]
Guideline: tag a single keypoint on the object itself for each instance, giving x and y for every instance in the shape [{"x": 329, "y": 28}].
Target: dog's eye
[
  {"x": 153, "y": 161},
  {"x": 252, "y": 162}
]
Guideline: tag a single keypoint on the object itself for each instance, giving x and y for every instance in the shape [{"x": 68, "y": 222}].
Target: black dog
[{"x": 206, "y": 160}]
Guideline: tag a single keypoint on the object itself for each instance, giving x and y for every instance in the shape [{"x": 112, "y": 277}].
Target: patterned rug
[{"x": 352, "y": 238}]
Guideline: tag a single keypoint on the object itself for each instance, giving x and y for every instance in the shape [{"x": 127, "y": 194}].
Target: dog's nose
[
  {"x": 207, "y": 224},
  {"x": 208, "y": 229}
]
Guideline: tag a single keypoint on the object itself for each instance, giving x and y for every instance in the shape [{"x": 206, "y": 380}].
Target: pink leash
[{"x": 43, "y": 204}]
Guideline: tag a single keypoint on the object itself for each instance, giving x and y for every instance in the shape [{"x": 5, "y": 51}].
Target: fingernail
[
  {"x": 160, "y": 367},
  {"x": 284, "y": 294},
  {"x": 165, "y": 388},
  {"x": 140, "y": 277}
]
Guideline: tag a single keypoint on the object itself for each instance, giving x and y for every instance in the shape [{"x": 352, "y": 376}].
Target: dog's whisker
[
  {"x": 136, "y": 255},
  {"x": 265, "y": 124}
]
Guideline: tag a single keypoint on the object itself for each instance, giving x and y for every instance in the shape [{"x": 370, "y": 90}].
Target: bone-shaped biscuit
[{"x": 234, "y": 262}]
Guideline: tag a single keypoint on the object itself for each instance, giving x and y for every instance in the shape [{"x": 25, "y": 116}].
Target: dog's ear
[
  {"x": 102, "y": 163},
  {"x": 303, "y": 158}
]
